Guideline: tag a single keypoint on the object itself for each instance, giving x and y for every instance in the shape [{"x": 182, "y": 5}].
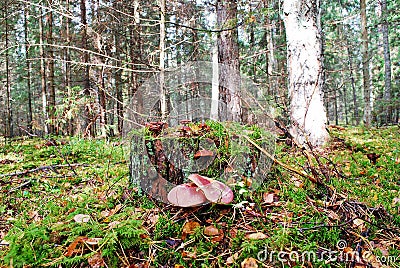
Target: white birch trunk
[
  {"x": 304, "y": 60},
  {"x": 163, "y": 93},
  {"x": 215, "y": 81}
]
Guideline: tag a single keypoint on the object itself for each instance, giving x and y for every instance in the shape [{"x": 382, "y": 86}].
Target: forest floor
[{"x": 71, "y": 205}]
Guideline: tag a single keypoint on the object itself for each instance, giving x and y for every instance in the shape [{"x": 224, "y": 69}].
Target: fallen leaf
[
  {"x": 333, "y": 215},
  {"x": 396, "y": 200},
  {"x": 189, "y": 254},
  {"x": 231, "y": 259},
  {"x": 179, "y": 266},
  {"x": 359, "y": 223},
  {"x": 297, "y": 182},
  {"x": 269, "y": 198},
  {"x": 96, "y": 261},
  {"x": 189, "y": 228},
  {"x": 71, "y": 248},
  {"x": 211, "y": 230},
  {"x": 249, "y": 263},
  {"x": 81, "y": 218},
  {"x": 203, "y": 153},
  {"x": 111, "y": 225},
  {"x": 256, "y": 236}
]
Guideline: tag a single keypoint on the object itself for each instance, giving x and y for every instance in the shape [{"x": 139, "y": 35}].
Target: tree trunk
[
  {"x": 388, "y": 65},
  {"x": 365, "y": 64},
  {"x": 215, "y": 81},
  {"x": 304, "y": 59},
  {"x": 10, "y": 127},
  {"x": 103, "y": 104},
  {"x": 43, "y": 73},
  {"x": 353, "y": 86},
  {"x": 228, "y": 55},
  {"x": 271, "y": 62},
  {"x": 345, "y": 104},
  {"x": 28, "y": 70},
  {"x": 51, "y": 87},
  {"x": 67, "y": 71},
  {"x": 163, "y": 92},
  {"x": 86, "y": 124}
]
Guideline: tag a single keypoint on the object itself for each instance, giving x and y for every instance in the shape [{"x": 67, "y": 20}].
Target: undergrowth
[{"x": 82, "y": 211}]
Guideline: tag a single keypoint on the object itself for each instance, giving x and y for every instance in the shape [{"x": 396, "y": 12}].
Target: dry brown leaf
[
  {"x": 211, "y": 230},
  {"x": 256, "y": 236},
  {"x": 249, "y": 263},
  {"x": 233, "y": 232},
  {"x": 179, "y": 266},
  {"x": 71, "y": 248},
  {"x": 188, "y": 254},
  {"x": 269, "y": 198},
  {"x": 81, "y": 218},
  {"x": 113, "y": 224},
  {"x": 96, "y": 261},
  {"x": 231, "y": 259},
  {"x": 333, "y": 215},
  {"x": 189, "y": 228},
  {"x": 297, "y": 182},
  {"x": 359, "y": 223}
]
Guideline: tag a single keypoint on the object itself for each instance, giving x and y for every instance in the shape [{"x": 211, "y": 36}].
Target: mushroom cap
[
  {"x": 215, "y": 191},
  {"x": 186, "y": 195}
]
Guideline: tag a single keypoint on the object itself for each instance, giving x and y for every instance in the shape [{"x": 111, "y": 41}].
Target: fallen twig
[
  {"x": 52, "y": 167},
  {"x": 298, "y": 172},
  {"x": 20, "y": 186}
]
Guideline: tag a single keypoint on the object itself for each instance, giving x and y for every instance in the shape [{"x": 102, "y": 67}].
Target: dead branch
[
  {"x": 52, "y": 167},
  {"x": 287, "y": 167}
]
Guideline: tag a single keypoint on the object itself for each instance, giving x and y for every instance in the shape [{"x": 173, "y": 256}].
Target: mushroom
[
  {"x": 186, "y": 195},
  {"x": 215, "y": 191},
  {"x": 185, "y": 130}
]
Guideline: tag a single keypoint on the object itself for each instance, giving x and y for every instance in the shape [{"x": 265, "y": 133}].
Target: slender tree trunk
[
  {"x": 365, "y": 65},
  {"x": 67, "y": 71},
  {"x": 388, "y": 65},
  {"x": 346, "y": 116},
  {"x": 228, "y": 54},
  {"x": 335, "y": 106},
  {"x": 51, "y": 86},
  {"x": 271, "y": 62},
  {"x": 86, "y": 124},
  {"x": 43, "y": 72},
  {"x": 163, "y": 91},
  {"x": 353, "y": 86},
  {"x": 215, "y": 81},
  {"x": 304, "y": 59},
  {"x": 103, "y": 104},
  {"x": 10, "y": 127},
  {"x": 28, "y": 69}
]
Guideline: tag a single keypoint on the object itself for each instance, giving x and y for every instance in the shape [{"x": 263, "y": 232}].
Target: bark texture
[
  {"x": 302, "y": 23},
  {"x": 365, "y": 65},
  {"x": 228, "y": 57}
]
